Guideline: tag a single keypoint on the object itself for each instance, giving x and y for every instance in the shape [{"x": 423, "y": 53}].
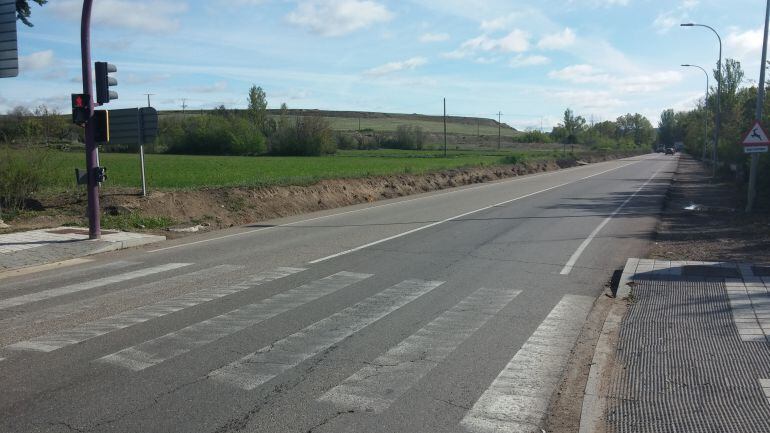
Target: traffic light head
[
  {"x": 104, "y": 81},
  {"x": 80, "y": 108}
]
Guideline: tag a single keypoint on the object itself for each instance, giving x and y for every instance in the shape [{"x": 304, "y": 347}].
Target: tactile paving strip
[{"x": 685, "y": 366}]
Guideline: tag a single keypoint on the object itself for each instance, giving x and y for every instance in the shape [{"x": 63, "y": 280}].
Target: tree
[
  {"x": 23, "y": 11},
  {"x": 258, "y": 107},
  {"x": 667, "y": 128},
  {"x": 573, "y": 125}
]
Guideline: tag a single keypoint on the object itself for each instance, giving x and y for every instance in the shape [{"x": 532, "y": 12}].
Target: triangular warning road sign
[{"x": 757, "y": 136}]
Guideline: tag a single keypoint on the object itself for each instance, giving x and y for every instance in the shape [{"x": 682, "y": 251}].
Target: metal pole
[
  {"x": 760, "y": 105},
  {"x": 718, "y": 125},
  {"x": 499, "y": 130},
  {"x": 444, "y": 127},
  {"x": 140, "y": 126},
  {"x": 705, "y": 122},
  {"x": 94, "y": 224}
]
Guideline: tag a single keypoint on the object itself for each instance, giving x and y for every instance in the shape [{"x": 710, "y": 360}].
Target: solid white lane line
[
  {"x": 248, "y": 232},
  {"x": 378, "y": 385},
  {"x": 456, "y": 217},
  {"x": 176, "y": 343},
  {"x": 576, "y": 255},
  {"x": 518, "y": 398},
  {"x": 74, "y": 288},
  {"x": 257, "y": 368},
  {"x": 96, "y": 328}
]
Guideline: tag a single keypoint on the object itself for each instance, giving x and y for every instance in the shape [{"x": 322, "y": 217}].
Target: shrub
[
  {"x": 407, "y": 137},
  {"x": 346, "y": 141},
  {"x": 214, "y": 135},
  {"x": 22, "y": 173},
  {"x": 307, "y": 136}
]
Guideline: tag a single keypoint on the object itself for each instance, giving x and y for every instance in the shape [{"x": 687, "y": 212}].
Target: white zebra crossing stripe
[
  {"x": 375, "y": 387},
  {"x": 111, "y": 302},
  {"x": 86, "y": 331},
  {"x": 63, "y": 273},
  {"x": 176, "y": 343},
  {"x": 74, "y": 288},
  {"x": 257, "y": 368},
  {"x": 518, "y": 398}
]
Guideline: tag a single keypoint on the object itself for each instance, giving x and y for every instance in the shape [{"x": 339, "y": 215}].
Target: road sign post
[
  {"x": 134, "y": 126},
  {"x": 760, "y": 105}
]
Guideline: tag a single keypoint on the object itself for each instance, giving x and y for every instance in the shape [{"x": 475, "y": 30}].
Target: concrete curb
[
  {"x": 595, "y": 397},
  {"x": 128, "y": 243}
]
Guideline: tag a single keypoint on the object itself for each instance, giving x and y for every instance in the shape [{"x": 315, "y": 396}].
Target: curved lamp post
[
  {"x": 719, "y": 94},
  {"x": 705, "y": 135}
]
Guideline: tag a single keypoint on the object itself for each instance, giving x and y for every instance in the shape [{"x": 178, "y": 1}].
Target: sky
[{"x": 529, "y": 60}]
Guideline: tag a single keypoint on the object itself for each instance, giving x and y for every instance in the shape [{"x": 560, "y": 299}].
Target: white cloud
[
  {"x": 522, "y": 61},
  {"x": 665, "y": 21},
  {"x": 557, "y": 41},
  {"x": 392, "y": 67},
  {"x": 516, "y": 41},
  {"x": 338, "y": 17},
  {"x": 623, "y": 84},
  {"x": 219, "y": 86},
  {"x": 37, "y": 61},
  {"x": 434, "y": 37},
  {"x": 156, "y": 17},
  {"x": 745, "y": 44},
  {"x": 579, "y": 74}
]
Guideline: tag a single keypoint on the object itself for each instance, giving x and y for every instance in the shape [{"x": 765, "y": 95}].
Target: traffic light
[
  {"x": 80, "y": 109},
  {"x": 104, "y": 81},
  {"x": 101, "y": 122},
  {"x": 100, "y": 174}
]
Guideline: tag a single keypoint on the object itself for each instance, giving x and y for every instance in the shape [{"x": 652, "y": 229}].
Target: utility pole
[
  {"x": 760, "y": 103},
  {"x": 184, "y": 104},
  {"x": 444, "y": 127},
  {"x": 148, "y": 98},
  {"x": 94, "y": 223},
  {"x": 499, "y": 130}
]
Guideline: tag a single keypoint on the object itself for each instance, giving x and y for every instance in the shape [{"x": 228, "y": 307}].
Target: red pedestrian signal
[{"x": 80, "y": 109}]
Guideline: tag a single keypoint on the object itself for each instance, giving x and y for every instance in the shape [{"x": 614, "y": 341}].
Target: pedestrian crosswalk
[
  {"x": 376, "y": 386},
  {"x": 516, "y": 399},
  {"x": 74, "y": 288}
]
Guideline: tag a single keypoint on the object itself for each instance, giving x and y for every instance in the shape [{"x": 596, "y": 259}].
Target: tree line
[{"x": 695, "y": 128}]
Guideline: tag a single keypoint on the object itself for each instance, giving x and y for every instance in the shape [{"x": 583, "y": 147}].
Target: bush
[
  {"x": 22, "y": 173},
  {"x": 407, "y": 137},
  {"x": 214, "y": 135},
  {"x": 307, "y": 136},
  {"x": 346, "y": 141}
]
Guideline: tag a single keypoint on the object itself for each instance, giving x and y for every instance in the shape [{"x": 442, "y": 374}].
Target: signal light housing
[{"x": 104, "y": 81}]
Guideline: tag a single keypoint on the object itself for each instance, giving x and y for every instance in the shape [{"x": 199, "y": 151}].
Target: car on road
[{"x": 670, "y": 151}]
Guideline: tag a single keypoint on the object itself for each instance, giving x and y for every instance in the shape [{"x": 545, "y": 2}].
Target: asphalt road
[{"x": 452, "y": 311}]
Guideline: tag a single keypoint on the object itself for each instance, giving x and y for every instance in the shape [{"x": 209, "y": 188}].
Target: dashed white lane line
[
  {"x": 254, "y": 369},
  {"x": 176, "y": 343},
  {"x": 518, "y": 398},
  {"x": 576, "y": 255},
  {"x": 375, "y": 387},
  {"x": 456, "y": 217},
  {"x": 248, "y": 232},
  {"x": 74, "y": 288},
  {"x": 96, "y": 328}
]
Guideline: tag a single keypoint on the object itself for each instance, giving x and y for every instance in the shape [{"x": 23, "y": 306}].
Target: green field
[{"x": 177, "y": 171}]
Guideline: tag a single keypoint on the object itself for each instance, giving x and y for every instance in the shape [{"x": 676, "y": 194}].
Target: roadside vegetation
[
  {"x": 258, "y": 147},
  {"x": 695, "y": 128}
]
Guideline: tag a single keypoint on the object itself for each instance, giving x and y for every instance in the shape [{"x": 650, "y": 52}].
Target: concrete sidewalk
[
  {"x": 691, "y": 352},
  {"x": 38, "y": 247}
]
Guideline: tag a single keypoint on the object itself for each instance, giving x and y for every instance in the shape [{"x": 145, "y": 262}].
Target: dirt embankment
[
  {"x": 704, "y": 220},
  {"x": 227, "y": 207}
]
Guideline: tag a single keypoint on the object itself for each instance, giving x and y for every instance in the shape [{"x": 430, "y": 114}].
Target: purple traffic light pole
[{"x": 94, "y": 226}]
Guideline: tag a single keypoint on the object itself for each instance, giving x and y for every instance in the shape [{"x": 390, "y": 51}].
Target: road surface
[{"x": 452, "y": 311}]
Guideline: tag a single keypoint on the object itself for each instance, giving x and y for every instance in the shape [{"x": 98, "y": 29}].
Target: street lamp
[
  {"x": 719, "y": 94},
  {"x": 705, "y": 135}
]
